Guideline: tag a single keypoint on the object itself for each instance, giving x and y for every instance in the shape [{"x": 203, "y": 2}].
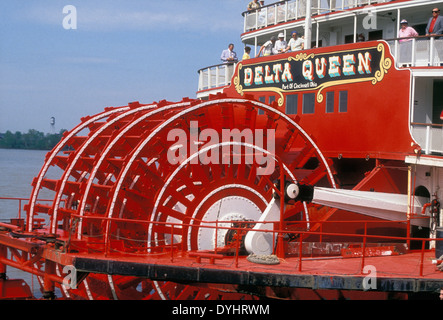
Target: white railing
[
  {"x": 283, "y": 11},
  {"x": 429, "y": 136},
  {"x": 215, "y": 76},
  {"x": 417, "y": 52}
]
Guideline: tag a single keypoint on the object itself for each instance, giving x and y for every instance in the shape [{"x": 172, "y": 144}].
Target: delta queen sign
[{"x": 313, "y": 71}]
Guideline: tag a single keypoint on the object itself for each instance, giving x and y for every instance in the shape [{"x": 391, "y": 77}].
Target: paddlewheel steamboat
[{"x": 312, "y": 174}]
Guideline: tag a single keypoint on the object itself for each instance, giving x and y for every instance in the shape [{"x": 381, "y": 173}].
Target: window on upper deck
[
  {"x": 271, "y": 99},
  {"x": 262, "y": 100},
  {"x": 308, "y": 103},
  {"x": 375, "y": 35},
  {"x": 330, "y": 100},
  {"x": 343, "y": 101},
  {"x": 292, "y": 104}
]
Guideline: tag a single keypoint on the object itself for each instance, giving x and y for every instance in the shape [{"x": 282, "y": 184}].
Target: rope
[{"x": 263, "y": 259}]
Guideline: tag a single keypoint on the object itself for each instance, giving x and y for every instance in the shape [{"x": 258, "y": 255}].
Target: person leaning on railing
[
  {"x": 229, "y": 54},
  {"x": 268, "y": 47},
  {"x": 406, "y": 31},
  {"x": 254, "y": 5},
  {"x": 435, "y": 24}
]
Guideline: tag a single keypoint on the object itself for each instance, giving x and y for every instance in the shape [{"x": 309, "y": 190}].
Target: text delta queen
[{"x": 318, "y": 69}]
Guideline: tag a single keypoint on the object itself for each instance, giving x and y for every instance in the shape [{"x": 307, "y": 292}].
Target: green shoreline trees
[{"x": 32, "y": 140}]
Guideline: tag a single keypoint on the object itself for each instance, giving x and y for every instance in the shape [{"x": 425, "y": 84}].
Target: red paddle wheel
[{"x": 142, "y": 180}]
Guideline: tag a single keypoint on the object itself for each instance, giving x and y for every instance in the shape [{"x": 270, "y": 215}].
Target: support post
[
  {"x": 308, "y": 25},
  {"x": 3, "y": 254},
  {"x": 48, "y": 283}
]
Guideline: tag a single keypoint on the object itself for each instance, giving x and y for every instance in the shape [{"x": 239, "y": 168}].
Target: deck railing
[
  {"x": 173, "y": 248},
  {"x": 422, "y": 51},
  {"x": 365, "y": 239},
  {"x": 8, "y": 205},
  {"x": 283, "y": 11},
  {"x": 215, "y": 76},
  {"x": 429, "y": 136}
]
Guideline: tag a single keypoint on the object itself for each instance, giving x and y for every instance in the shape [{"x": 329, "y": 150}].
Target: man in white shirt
[
  {"x": 280, "y": 44},
  {"x": 229, "y": 55},
  {"x": 296, "y": 43},
  {"x": 268, "y": 47}
]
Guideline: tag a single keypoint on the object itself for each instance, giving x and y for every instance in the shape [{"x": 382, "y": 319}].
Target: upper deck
[{"x": 334, "y": 24}]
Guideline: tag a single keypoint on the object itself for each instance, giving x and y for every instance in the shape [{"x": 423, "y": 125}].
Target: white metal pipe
[
  {"x": 355, "y": 28},
  {"x": 428, "y": 140},
  {"x": 308, "y": 24},
  {"x": 414, "y": 49},
  {"x": 432, "y": 51}
]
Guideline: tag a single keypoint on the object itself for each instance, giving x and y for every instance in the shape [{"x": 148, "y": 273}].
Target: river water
[{"x": 17, "y": 170}]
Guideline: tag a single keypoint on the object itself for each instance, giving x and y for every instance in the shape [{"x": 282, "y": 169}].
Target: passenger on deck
[
  {"x": 246, "y": 54},
  {"x": 229, "y": 55},
  {"x": 268, "y": 47},
  {"x": 280, "y": 44},
  {"x": 296, "y": 43},
  {"x": 435, "y": 24},
  {"x": 406, "y": 31},
  {"x": 254, "y": 5}
]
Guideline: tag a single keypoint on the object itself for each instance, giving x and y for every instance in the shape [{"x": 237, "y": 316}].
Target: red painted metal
[
  {"x": 108, "y": 194},
  {"x": 121, "y": 206},
  {"x": 14, "y": 290},
  {"x": 111, "y": 202},
  {"x": 368, "y": 116}
]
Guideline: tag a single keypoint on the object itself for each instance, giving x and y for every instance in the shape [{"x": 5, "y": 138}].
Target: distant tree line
[{"x": 33, "y": 140}]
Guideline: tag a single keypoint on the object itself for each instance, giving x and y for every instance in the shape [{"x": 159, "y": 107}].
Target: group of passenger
[
  {"x": 255, "y": 4},
  {"x": 230, "y": 56},
  {"x": 276, "y": 46},
  {"x": 434, "y": 27}
]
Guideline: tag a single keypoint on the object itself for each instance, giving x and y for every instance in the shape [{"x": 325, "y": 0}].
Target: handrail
[
  {"x": 19, "y": 199},
  {"x": 217, "y": 65},
  {"x": 420, "y": 51},
  {"x": 283, "y": 2},
  {"x": 301, "y": 234},
  {"x": 416, "y": 37},
  {"x": 216, "y": 76},
  {"x": 429, "y": 136},
  {"x": 19, "y": 214},
  {"x": 427, "y": 124},
  {"x": 295, "y": 14},
  {"x": 276, "y": 229}
]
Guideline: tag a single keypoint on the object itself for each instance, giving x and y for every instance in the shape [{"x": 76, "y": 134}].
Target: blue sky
[{"x": 121, "y": 51}]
